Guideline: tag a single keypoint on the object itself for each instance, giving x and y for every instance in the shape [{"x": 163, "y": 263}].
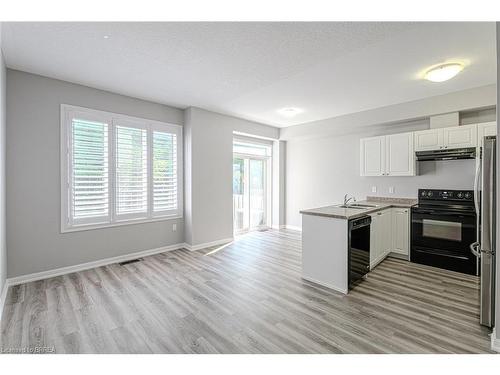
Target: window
[
  {"x": 131, "y": 172},
  {"x": 164, "y": 171},
  {"x": 118, "y": 169}
]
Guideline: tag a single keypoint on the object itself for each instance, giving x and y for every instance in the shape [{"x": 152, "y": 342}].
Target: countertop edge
[{"x": 383, "y": 206}]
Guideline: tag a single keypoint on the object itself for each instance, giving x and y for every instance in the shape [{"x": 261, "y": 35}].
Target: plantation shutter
[
  {"x": 165, "y": 173},
  {"x": 118, "y": 169},
  {"x": 131, "y": 172},
  {"x": 89, "y": 178}
]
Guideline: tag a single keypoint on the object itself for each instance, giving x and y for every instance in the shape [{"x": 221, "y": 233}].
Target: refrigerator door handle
[
  {"x": 474, "y": 248},
  {"x": 476, "y": 185},
  {"x": 487, "y": 196}
]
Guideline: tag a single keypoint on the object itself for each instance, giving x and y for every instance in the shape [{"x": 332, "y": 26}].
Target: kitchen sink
[
  {"x": 352, "y": 206},
  {"x": 358, "y": 206}
]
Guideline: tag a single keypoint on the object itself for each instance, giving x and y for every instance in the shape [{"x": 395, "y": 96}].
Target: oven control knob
[
  {"x": 422, "y": 193},
  {"x": 460, "y": 195},
  {"x": 429, "y": 194},
  {"x": 468, "y": 195}
]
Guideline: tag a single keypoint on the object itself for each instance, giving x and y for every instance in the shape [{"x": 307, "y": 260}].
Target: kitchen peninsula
[{"x": 326, "y": 237}]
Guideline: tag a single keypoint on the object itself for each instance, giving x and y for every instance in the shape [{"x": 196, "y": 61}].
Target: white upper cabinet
[
  {"x": 460, "y": 136},
  {"x": 394, "y": 155},
  {"x": 427, "y": 140},
  {"x": 400, "y": 155},
  {"x": 372, "y": 156},
  {"x": 484, "y": 130},
  {"x": 446, "y": 138},
  {"x": 391, "y": 155}
]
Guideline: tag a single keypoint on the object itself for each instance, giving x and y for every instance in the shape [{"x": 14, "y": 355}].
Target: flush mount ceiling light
[
  {"x": 289, "y": 111},
  {"x": 443, "y": 72},
  {"x": 106, "y": 36}
]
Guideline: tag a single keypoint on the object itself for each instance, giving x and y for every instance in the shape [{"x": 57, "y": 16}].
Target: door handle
[{"x": 474, "y": 249}]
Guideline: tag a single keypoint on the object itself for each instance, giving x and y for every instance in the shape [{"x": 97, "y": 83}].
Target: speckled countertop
[{"x": 380, "y": 203}]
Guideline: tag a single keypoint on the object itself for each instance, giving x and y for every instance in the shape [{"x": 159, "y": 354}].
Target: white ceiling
[{"x": 251, "y": 70}]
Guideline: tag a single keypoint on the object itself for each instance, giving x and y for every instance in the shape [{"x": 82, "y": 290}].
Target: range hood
[{"x": 458, "y": 153}]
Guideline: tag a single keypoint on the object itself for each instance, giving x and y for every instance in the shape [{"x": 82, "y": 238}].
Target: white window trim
[{"x": 67, "y": 112}]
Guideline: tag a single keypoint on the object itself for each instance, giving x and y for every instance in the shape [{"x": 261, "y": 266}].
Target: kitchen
[
  {"x": 443, "y": 227},
  {"x": 355, "y": 224}
]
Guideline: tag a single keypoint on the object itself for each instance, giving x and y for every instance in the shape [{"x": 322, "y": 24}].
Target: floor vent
[{"x": 130, "y": 261}]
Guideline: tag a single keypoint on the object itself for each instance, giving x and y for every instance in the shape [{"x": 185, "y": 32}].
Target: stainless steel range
[{"x": 443, "y": 226}]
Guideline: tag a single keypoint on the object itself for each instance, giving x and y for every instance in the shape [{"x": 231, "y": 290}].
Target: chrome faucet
[{"x": 346, "y": 200}]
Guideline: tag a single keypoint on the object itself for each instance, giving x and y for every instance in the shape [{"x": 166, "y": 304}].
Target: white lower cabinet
[
  {"x": 380, "y": 236},
  {"x": 401, "y": 231},
  {"x": 389, "y": 232}
]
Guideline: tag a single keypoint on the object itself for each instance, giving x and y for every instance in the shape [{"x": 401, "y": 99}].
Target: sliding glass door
[
  {"x": 241, "y": 218},
  {"x": 250, "y": 191}
]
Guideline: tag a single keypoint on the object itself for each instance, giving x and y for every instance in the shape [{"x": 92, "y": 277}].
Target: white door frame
[{"x": 267, "y": 189}]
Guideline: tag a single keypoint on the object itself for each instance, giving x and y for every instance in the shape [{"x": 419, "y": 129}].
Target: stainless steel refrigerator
[{"x": 484, "y": 248}]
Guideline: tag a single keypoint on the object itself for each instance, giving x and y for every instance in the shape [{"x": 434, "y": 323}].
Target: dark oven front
[{"x": 441, "y": 238}]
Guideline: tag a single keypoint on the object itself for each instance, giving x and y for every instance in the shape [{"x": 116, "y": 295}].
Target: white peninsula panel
[{"x": 324, "y": 251}]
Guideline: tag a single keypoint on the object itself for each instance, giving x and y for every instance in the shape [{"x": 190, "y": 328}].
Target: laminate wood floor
[{"x": 247, "y": 297}]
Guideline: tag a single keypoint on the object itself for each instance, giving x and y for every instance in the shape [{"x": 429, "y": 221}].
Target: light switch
[
  {"x": 374, "y": 189},
  {"x": 391, "y": 189},
  {"x": 174, "y": 227}
]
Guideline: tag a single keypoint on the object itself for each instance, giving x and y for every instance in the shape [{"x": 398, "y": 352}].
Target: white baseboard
[
  {"x": 3, "y": 297},
  {"x": 85, "y": 266},
  {"x": 293, "y": 227},
  {"x": 278, "y": 227},
  {"x": 329, "y": 286},
  {"x": 495, "y": 342},
  {"x": 208, "y": 244}
]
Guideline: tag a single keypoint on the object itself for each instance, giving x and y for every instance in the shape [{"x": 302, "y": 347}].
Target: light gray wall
[
  {"x": 480, "y": 97},
  {"x": 34, "y": 241},
  {"x": 475, "y": 117},
  {"x": 3, "y": 242},
  {"x": 279, "y": 181},
  {"x": 319, "y": 171},
  {"x": 497, "y": 297},
  {"x": 208, "y": 172}
]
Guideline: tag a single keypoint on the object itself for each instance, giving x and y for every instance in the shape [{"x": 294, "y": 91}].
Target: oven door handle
[
  {"x": 442, "y": 213},
  {"x": 424, "y": 212},
  {"x": 474, "y": 249}
]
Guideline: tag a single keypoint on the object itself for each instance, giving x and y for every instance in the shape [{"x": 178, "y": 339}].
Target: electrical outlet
[
  {"x": 374, "y": 189},
  {"x": 174, "y": 227},
  {"x": 391, "y": 189}
]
